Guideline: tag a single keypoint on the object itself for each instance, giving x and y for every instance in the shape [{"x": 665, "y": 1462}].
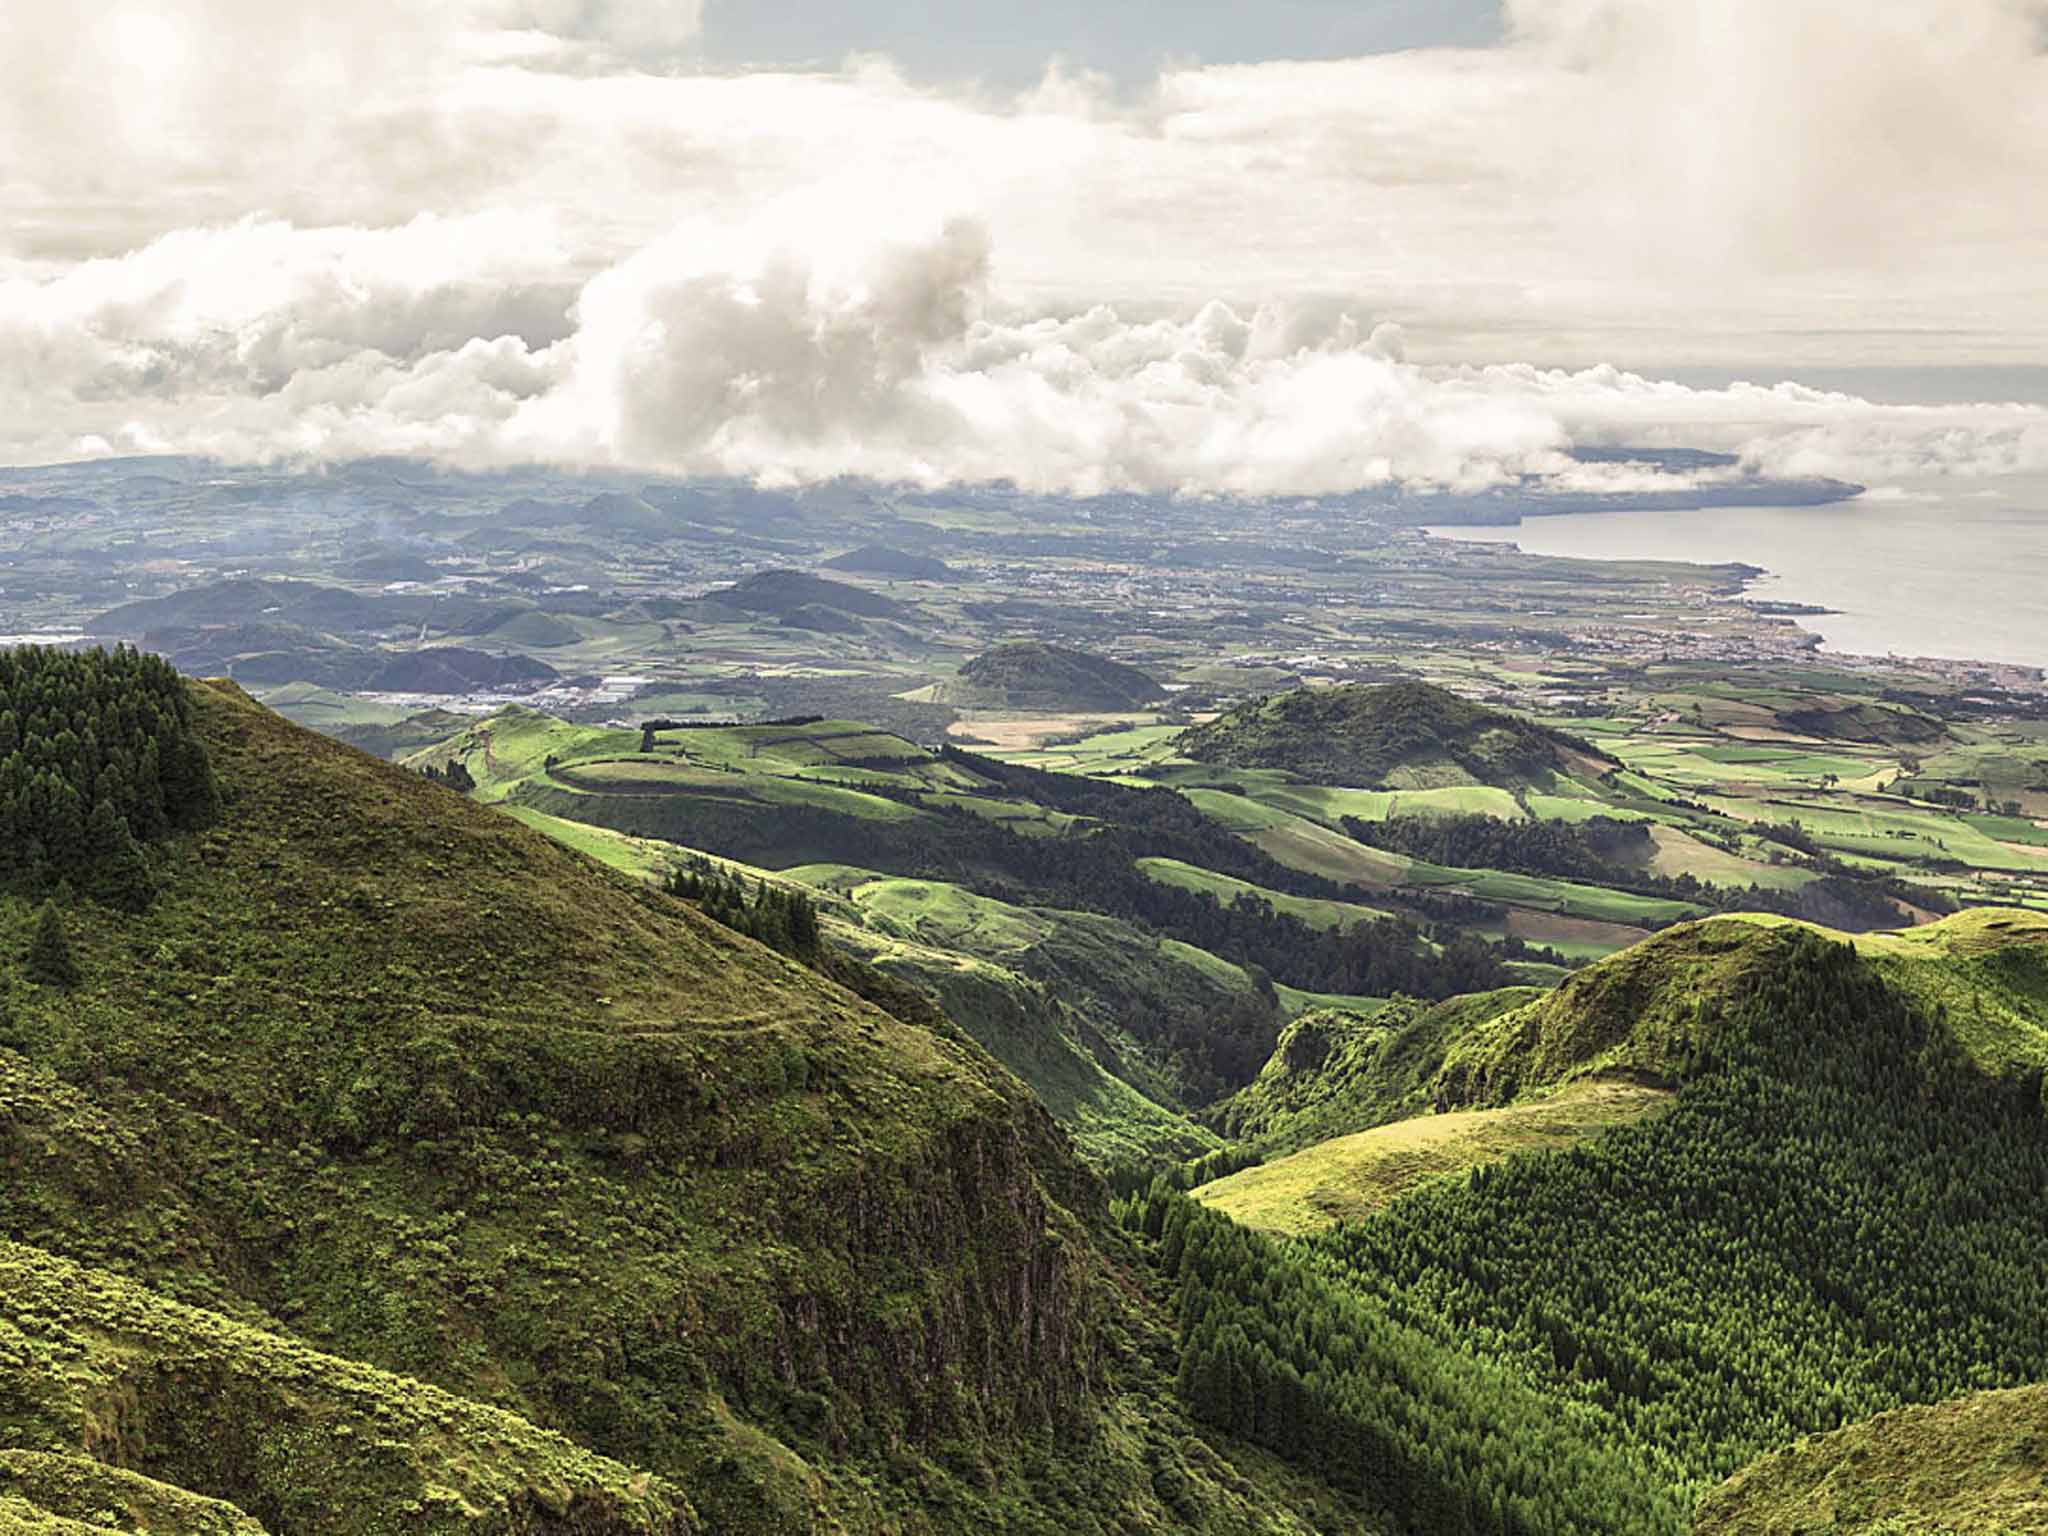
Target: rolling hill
[
  {"x": 1836, "y": 1211},
  {"x": 1031, "y": 675},
  {"x": 454, "y": 669},
  {"x": 313, "y": 605},
  {"x": 841, "y": 793},
  {"x": 782, "y": 593},
  {"x": 881, "y": 560},
  {"x": 396, "y": 1169},
  {"x": 1397, "y": 735}
]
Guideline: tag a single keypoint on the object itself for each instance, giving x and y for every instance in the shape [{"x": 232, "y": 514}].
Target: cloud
[
  {"x": 900, "y": 357},
  {"x": 487, "y": 229},
  {"x": 638, "y": 29},
  {"x": 1751, "y": 137}
]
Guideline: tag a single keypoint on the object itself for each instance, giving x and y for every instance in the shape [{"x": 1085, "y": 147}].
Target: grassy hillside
[
  {"x": 881, "y": 560},
  {"x": 1334, "y": 1073},
  {"x": 1143, "y": 1012},
  {"x": 783, "y": 592},
  {"x": 1352, "y": 1176},
  {"x": 1400, "y": 736},
  {"x": 1977, "y": 1466},
  {"x": 1982, "y": 975},
  {"x": 288, "y": 1439},
  {"x": 835, "y": 794},
  {"x": 1097, "y": 1081},
  {"x": 397, "y": 1081}
]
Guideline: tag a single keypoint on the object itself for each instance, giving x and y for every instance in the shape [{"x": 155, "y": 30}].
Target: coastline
[{"x": 2001, "y": 671}]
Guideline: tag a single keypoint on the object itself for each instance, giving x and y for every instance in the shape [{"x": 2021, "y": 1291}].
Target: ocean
[{"x": 1949, "y": 568}]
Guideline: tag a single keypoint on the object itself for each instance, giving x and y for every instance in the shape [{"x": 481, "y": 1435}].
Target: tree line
[
  {"x": 1586, "y": 851},
  {"x": 1602, "y": 851},
  {"x": 785, "y": 920},
  {"x": 99, "y": 761}
]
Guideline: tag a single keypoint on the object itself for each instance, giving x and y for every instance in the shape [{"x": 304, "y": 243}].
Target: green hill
[
  {"x": 270, "y": 1427},
  {"x": 1335, "y": 1073},
  {"x": 1031, "y": 675},
  {"x": 533, "y": 627},
  {"x": 839, "y": 793},
  {"x": 781, "y": 593},
  {"x": 250, "y": 600},
  {"x": 456, "y": 669},
  {"x": 882, "y": 560},
  {"x": 1398, "y": 735},
  {"x": 1353, "y": 1176},
  {"x": 398, "y": 1170},
  {"x": 1977, "y": 1466},
  {"x": 1859, "y": 720},
  {"x": 1840, "y": 1209}
]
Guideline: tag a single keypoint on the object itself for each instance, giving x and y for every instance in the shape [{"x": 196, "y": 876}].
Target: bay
[{"x": 1956, "y": 569}]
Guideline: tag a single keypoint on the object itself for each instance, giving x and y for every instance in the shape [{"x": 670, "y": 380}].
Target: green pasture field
[
  {"x": 1791, "y": 762},
  {"x": 1019, "y": 816},
  {"x": 1680, "y": 854},
  {"x": 1565, "y": 896},
  {"x": 654, "y": 706},
  {"x": 640, "y": 856},
  {"x": 1302, "y": 844},
  {"x": 1878, "y": 831},
  {"x": 1316, "y": 913},
  {"x": 947, "y": 916},
  {"x": 1298, "y": 1002},
  {"x": 2011, "y": 829},
  {"x": 324, "y": 709},
  {"x": 1568, "y": 808},
  {"x": 1464, "y": 800},
  {"x": 1328, "y": 806},
  {"x": 1128, "y": 744},
  {"x": 1215, "y": 967}
]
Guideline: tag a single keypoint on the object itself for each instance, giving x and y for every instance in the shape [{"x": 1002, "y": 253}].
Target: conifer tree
[
  {"x": 119, "y": 874},
  {"x": 50, "y": 960}
]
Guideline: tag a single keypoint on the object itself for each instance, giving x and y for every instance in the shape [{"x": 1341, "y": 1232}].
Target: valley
[
  {"x": 881, "y": 1011},
  {"x": 1059, "y": 770}
]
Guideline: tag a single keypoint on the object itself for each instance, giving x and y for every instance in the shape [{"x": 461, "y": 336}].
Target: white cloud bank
[{"x": 494, "y": 232}]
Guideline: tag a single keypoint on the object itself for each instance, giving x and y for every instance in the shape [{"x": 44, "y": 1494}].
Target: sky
[
  {"x": 1302, "y": 246},
  {"x": 1010, "y": 45}
]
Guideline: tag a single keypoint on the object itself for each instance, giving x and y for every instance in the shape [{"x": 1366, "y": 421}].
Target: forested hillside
[
  {"x": 1410, "y": 735},
  {"x": 1842, "y": 1212},
  {"x": 98, "y": 759},
  {"x": 385, "y": 1167}
]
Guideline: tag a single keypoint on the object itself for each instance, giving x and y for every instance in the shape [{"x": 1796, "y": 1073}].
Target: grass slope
[
  {"x": 1977, "y": 1466},
  {"x": 116, "y": 1375},
  {"x": 1334, "y": 1073},
  {"x": 1316, "y": 912},
  {"x": 1839, "y": 1212},
  {"x": 394, "y": 1078},
  {"x": 1353, "y": 1176}
]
